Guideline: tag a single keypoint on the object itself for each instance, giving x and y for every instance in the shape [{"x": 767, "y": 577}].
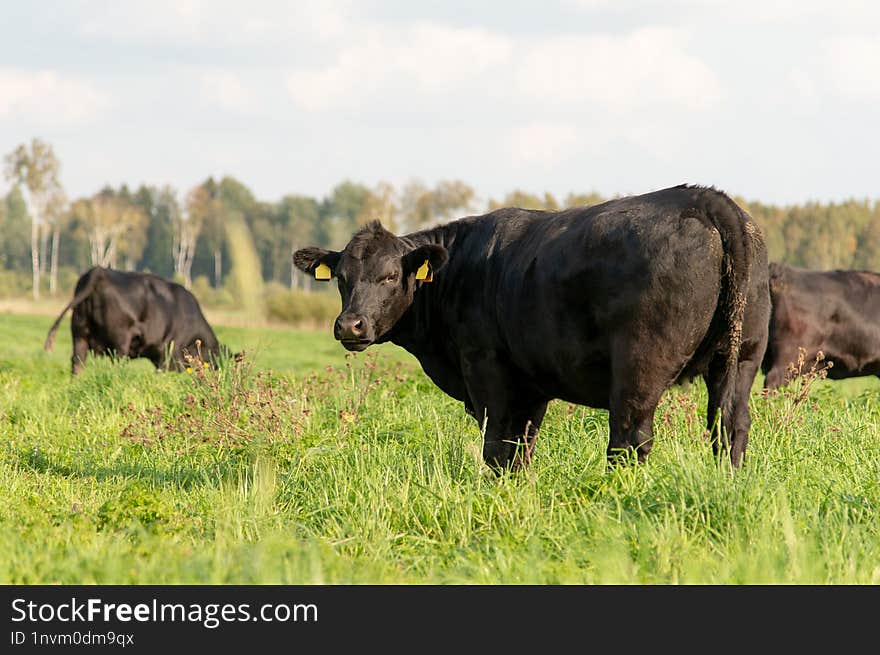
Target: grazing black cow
[
  {"x": 605, "y": 306},
  {"x": 836, "y": 313},
  {"x": 135, "y": 315}
]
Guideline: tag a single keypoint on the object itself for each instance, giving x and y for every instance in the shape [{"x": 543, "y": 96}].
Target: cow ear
[
  {"x": 317, "y": 261},
  {"x": 425, "y": 261}
]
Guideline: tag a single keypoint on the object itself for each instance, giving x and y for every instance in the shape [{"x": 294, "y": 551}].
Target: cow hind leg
[
  {"x": 80, "y": 352},
  {"x": 631, "y": 422},
  {"x": 742, "y": 421},
  {"x": 638, "y": 380},
  {"x": 79, "y": 333},
  {"x": 121, "y": 339},
  {"x": 778, "y": 375},
  {"x": 728, "y": 418},
  {"x": 775, "y": 378},
  {"x": 721, "y": 388}
]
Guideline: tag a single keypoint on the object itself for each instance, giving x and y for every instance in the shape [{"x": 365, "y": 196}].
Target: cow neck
[{"x": 418, "y": 328}]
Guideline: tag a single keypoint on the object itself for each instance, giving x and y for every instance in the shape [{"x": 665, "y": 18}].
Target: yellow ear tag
[
  {"x": 322, "y": 272},
  {"x": 424, "y": 273}
]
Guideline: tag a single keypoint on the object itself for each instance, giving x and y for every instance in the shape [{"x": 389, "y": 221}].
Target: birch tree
[
  {"x": 109, "y": 222},
  {"x": 35, "y": 168},
  {"x": 57, "y": 214},
  {"x": 187, "y": 226}
]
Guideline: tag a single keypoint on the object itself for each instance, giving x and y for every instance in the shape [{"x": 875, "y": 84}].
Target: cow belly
[
  {"x": 569, "y": 350},
  {"x": 850, "y": 362},
  {"x": 588, "y": 385}
]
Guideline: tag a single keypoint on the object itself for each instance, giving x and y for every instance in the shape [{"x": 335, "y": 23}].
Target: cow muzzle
[{"x": 352, "y": 331}]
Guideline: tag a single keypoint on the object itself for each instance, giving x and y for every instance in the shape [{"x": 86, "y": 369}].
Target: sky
[{"x": 771, "y": 100}]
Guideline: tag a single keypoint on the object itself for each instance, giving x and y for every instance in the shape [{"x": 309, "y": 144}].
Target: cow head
[{"x": 377, "y": 274}]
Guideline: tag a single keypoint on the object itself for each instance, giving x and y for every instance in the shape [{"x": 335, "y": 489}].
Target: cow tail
[
  {"x": 740, "y": 239},
  {"x": 738, "y": 236},
  {"x": 91, "y": 281}
]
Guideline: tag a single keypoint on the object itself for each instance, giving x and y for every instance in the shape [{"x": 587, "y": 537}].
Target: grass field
[{"x": 306, "y": 466}]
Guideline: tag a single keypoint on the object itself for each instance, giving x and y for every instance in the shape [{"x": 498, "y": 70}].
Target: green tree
[
  {"x": 583, "y": 199},
  {"x": 380, "y": 205},
  {"x": 159, "y": 206},
  {"x": 340, "y": 212},
  {"x": 452, "y": 198},
  {"x": 14, "y": 244},
  {"x": 219, "y": 204},
  {"x": 234, "y": 200},
  {"x": 213, "y": 234},
  {"x": 263, "y": 223},
  {"x": 297, "y": 220},
  {"x": 423, "y": 207},
  {"x": 525, "y": 200},
  {"x": 417, "y": 205},
  {"x": 867, "y": 255}
]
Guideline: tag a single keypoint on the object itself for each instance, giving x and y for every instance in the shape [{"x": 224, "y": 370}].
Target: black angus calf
[
  {"x": 836, "y": 313},
  {"x": 135, "y": 315},
  {"x": 605, "y": 306}
]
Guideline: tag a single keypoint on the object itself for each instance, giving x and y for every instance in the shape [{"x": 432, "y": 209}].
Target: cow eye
[{"x": 388, "y": 279}]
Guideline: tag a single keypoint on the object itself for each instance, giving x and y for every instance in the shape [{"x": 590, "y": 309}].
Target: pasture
[{"x": 303, "y": 465}]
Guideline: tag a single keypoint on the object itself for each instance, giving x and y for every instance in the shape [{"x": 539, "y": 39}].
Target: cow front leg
[
  {"x": 508, "y": 412},
  {"x": 509, "y": 419},
  {"x": 524, "y": 445},
  {"x": 509, "y": 435}
]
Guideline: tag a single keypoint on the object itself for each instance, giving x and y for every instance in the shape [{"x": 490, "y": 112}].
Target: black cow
[
  {"x": 605, "y": 306},
  {"x": 135, "y": 315},
  {"x": 836, "y": 313}
]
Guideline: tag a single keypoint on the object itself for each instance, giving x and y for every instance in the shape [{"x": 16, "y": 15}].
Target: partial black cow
[
  {"x": 135, "y": 315},
  {"x": 605, "y": 306},
  {"x": 836, "y": 313}
]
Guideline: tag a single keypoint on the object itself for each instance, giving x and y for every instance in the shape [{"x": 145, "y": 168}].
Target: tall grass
[{"x": 304, "y": 465}]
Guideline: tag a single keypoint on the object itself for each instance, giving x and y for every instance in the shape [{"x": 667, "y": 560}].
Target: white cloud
[
  {"x": 226, "y": 90},
  {"x": 47, "y": 97},
  {"x": 545, "y": 144},
  {"x": 852, "y": 64},
  {"x": 647, "y": 69},
  {"x": 213, "y": 22},
  {"x": 422, "y": 58},
  {"x": 743, "y": 12},
  {"x": 802, "y": 85},
  {"x": 612, "y": 95}
]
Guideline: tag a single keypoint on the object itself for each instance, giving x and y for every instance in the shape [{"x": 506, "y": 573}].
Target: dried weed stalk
[
  {"x": 797, "y": 385},
  {"x": 226, "y": 405}
]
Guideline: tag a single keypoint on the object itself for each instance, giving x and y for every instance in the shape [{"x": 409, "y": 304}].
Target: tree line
[{"x": 183, "y": 236}]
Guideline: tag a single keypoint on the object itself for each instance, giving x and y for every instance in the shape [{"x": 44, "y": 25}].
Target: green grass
[{"x": 306, "y": 466}]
